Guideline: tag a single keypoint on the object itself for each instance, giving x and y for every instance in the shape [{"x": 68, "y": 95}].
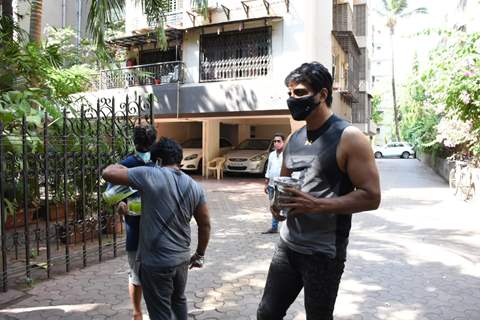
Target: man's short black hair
[
  {"x": 144, "y": 137},
  {"x": 168, "y": 151},
  {"x": 281, "y": 135},
  {"x": 315, "y": 75}
]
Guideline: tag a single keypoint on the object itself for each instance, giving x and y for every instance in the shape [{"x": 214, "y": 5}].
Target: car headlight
[
  {"x": 191, "y": 157},
  {"x": 258, "y": 158}
]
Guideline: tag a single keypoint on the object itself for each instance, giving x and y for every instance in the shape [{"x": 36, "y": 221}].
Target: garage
[{"x": 208, "y": 138}]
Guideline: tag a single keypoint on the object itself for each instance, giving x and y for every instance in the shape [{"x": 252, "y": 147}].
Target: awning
[
  {"x": 147, "y": 37},
  {"x": 230, "y": 22}
]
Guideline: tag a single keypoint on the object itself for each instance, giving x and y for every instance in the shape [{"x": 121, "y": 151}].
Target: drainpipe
[
  {"x": 79, "y": 22},
  {"x": 64, "y": 13},
  {"x": 178, "y": 94}
]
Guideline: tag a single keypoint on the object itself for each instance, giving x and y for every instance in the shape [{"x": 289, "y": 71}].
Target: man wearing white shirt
[{"x": 275, "y": 160}]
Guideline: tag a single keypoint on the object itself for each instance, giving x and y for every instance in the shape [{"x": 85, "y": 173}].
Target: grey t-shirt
[{"x": 169, "y": 199}]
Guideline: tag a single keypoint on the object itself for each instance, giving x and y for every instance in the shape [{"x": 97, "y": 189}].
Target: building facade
[{"x": 222, "y": 74}]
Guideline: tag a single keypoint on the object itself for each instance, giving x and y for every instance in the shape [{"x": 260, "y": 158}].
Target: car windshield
[
  {"x": 254, "y": 145},
  {"x": 193, "y": 143}
]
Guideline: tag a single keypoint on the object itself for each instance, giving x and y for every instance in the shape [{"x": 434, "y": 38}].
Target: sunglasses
[
  {"x": 299, "y": 92},
  {"x": 277, "y": 141}
]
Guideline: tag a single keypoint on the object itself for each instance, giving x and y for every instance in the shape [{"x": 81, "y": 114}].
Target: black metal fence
[{"x": 53, "y": 217}]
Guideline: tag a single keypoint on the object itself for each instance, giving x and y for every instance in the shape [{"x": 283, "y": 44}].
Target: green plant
[
  {"x": 441, "y": 105},
  {"x": 377, "y": 115}
]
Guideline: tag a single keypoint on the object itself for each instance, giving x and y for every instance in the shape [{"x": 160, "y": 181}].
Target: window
[
  {"x": 224, "y": 143},
  {"x": 236, "y": 54}
]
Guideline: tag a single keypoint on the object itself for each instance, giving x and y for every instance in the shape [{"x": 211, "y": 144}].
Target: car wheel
[
  {"x": 378, "y": 155},
  {"x": 406, "y": 155}
]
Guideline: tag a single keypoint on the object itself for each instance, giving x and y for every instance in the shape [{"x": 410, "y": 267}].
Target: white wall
[
  {"x": 53, "y": 14},
  {"x": 191, "y": 55},
  {"x": 307, "y": 34}
]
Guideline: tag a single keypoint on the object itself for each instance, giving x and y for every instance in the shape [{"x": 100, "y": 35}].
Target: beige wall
[
  {"x": 340, "y": 107},
  {"x": 267, "y": 131},
  {"x": 339, "y": 82},
  {"x": 179, "y": 131},
  {"x": 211, "y": 141}
]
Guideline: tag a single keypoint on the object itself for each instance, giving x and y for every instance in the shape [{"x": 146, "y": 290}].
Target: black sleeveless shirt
[{"x": 312, "y": 157}]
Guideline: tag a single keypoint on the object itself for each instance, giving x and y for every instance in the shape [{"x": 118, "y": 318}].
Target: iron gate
[{"x": 52, "y": 214}]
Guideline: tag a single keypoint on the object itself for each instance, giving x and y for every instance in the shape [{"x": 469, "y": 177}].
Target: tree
[
  {"x": 7, "y": 19},
  {"x": 393, "y": 11},
  {"x": 377, "y": 115},
  {"x": 103, "y": 13},
  {"x": 36, "y": 13},
  {"x": 441, "y": 105}
]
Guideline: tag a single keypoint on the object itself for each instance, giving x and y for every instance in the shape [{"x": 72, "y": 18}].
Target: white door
[{"x": 389, "y": 150}]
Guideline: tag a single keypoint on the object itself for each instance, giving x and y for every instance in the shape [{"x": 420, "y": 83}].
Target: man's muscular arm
[{"x": 354, "y": 157}]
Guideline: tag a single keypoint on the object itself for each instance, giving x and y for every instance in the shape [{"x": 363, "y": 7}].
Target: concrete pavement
[{"x": 417, "y": 257}]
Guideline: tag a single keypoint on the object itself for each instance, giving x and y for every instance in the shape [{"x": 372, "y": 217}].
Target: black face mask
[{"x": 300, "y": 108}]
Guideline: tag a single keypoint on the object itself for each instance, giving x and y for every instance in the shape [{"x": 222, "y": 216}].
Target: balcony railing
[
  {"x": 148, "y": 74},
  {"x": 230, "y": 69}
]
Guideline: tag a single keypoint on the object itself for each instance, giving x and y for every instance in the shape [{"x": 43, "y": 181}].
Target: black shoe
[{"x": 271, "y": 230}]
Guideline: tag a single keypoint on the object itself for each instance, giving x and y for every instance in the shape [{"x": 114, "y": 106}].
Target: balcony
[
  {"x": 148, "y": 74},
  {"x": 342, "y": 17},
  {"x": 236, "y": 55},
  {"x": 234, "y": 69}
]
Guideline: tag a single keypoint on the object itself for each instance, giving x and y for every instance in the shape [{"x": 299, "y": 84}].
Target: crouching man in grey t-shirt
[{"x": 169, "y": 200}]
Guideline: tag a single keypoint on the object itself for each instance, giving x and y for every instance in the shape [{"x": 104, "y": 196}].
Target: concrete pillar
[
  {"x": 243, "y": 132},
  {"x": 211, "y": 142}
]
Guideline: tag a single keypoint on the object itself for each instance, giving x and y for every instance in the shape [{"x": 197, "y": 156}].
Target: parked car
[
  {"x": 394, "y": 149},
  {"x": 250, "y": 156},
  {"x": 192, "y": 153}
]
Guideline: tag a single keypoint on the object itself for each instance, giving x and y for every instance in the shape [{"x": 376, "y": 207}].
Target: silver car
[{"x": 250, "y": 156}]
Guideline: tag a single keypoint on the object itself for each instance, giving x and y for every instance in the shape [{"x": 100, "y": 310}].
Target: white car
[
  {"x": 250, "y": 156},
  {"x": 192, "y": 153},
  {"x": 394, "y": 149}
]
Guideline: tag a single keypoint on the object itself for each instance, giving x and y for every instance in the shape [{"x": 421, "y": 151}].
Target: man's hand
[
  {"x": 276, "y": 213},
  {"x": 196, "y": 261},
  {"x": 300, "y": 203},
  {"x": 122, "y": 208}
]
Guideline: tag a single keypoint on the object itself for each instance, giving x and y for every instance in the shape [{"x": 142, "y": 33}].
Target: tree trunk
[
  {"x": 394, "y": 91},
  {"x": 36, "y": 21},
  {"x": 7, "y": 17}
]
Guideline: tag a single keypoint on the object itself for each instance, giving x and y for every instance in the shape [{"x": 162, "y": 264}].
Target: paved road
[{"x": 417, "y": 257}]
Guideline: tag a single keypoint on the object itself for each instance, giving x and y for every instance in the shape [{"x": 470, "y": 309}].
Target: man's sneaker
[{"x": 271, "y": 230}]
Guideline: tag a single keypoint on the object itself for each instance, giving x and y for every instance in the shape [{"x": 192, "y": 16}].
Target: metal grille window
[
  {"x": 360, "y": 12},
  {"x": 362, "y": 64},
  {"x": 236, "y": 55}
]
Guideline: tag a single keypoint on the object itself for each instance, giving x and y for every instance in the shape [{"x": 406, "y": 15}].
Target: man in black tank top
[{"x": 339, "y": 177}]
